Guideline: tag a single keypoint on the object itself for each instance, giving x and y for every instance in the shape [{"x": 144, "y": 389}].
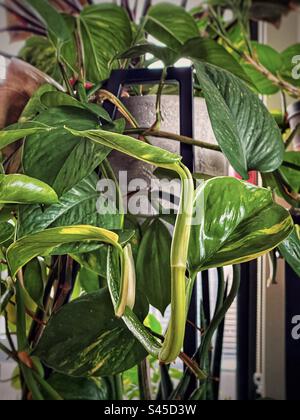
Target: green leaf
[
  {"x": 59, "y": 158},
  {"x": 60, "y": 99},
  {"x": 171, "y": 25},
  {"x": 34, "y": 105},
  {"x": 290, "y": 175},
  {"x": 291, "y": 64},
  {"x": 153, "y": 265},
  {"x": 80, "y": 389},
  {"x": 277, "y": 184},
  {"x": 166, "y": 55},
  {"x": 129, "y": 146},
  {"x": 41, "y": 53},
  {"x": 272, "y": 61},
  {"x": 79, "y": 206},
  {"x": 7, "y": 231},
  {"x": 47, "y": 242},
  {"x": 57, "y": 28},
  {"x": 95, "y": 261},
  {"x": 290, "y": 249},
  {"x": 89, "y": 280},
  {"x": 239, "y": 222},
  {"x": 211, "y": 52},
  {"x": 21, "y": 189},
  {"x": 33, "y": 281},
  {"x": 86, "y": 339},
  {"x": 19, "y": 131},
  {"x": 105, "y": 31},
  {"x": 247, "y": 134}
]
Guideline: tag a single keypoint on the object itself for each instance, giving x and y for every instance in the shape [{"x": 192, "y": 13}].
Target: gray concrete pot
[{"x": 143, "y": 109}]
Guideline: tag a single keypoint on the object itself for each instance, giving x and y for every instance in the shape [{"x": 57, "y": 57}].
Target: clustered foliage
[{"x": 76, "y": 284}]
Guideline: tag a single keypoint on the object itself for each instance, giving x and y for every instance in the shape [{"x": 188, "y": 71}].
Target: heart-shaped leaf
[
  {"x": 246, "y": 132},
  {"x": 171, "y": 25},
  {"x": 105, "y": 30},
  {"x": 21, "y": 189},
  {"x": 59, "y": 158},
  {"x": 86, "y": 339},
  {"x": 153, "y": 265},
  {"x": 290, "y": 249},
  {"x": 239, "y": 222},
  {"x": 82, "y": 205},
  {"x": 45, "y": 243}
]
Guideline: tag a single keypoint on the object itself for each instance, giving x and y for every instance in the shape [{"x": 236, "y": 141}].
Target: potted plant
[{"x": 81, "y": 280}]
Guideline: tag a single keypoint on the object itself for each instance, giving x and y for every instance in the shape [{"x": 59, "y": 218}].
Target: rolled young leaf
[
  {"x": 43, "y": 243},
  {"x": 21, "y": 189},
  {"x": 247, "y": 134},
  {"x": 239, "y": 222},
  {"x": 179, "y": 250}
]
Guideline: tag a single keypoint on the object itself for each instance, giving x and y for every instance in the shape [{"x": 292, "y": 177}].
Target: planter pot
[
  {"x": 294, "y": 120},
  {"x": 143, "y": 109}
]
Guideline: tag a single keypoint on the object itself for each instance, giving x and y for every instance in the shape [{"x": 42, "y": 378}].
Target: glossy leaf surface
[
  {"x": 58, "y": 157},
  {"x": 79, "y": 206},
  {"x": 238, "y": 222},
  {"x": 45, "y": 243},
  {"x": 100, "y": 346},
  {"x": 129, "y": 146},
  {"x": 246, "y": 132},
  {"x": 290, "y": 249},
  {"x": 80, "y": 389},
  {"x": 21, "y": 189}
]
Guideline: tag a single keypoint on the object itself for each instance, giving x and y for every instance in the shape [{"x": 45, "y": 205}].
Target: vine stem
[
  {"x": 172, "y": 136},
  {"x": 179, "y": 254},
  {"x": 220, "y": 315},
  {"x": 144, "y": 380}
]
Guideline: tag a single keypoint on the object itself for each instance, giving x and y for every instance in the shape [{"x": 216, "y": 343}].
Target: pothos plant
[{"x": 77, "y": 283}]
